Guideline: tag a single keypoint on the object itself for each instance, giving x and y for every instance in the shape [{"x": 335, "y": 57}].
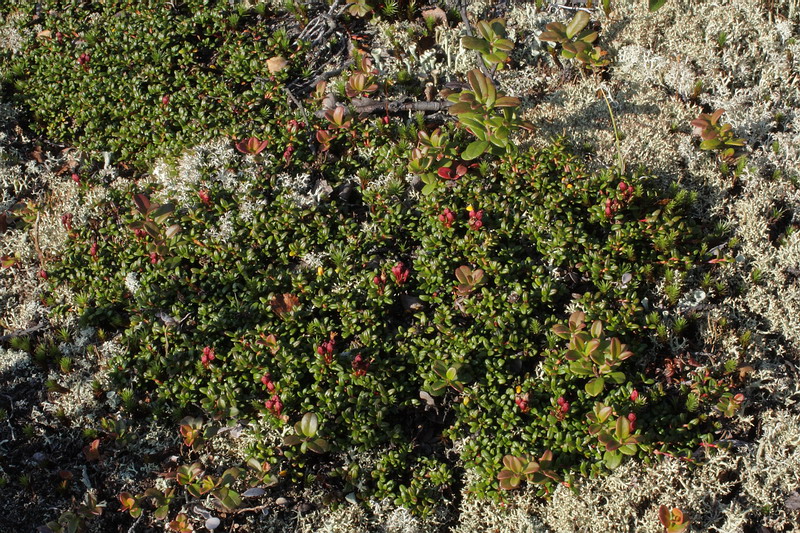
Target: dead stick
[
  {"x": 465, "y": 19},
  {"x": 303, "y": 111},
  {"x": 394, "y": 106},
  {"x": 36, "y": 241},
  {"x": 21, "y": 332}
]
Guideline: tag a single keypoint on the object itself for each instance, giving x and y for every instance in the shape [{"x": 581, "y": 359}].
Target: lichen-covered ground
[{"x": 668, "y": 66}]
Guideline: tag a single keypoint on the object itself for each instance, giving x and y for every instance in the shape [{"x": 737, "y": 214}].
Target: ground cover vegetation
[{"x": 394, "y": 295}]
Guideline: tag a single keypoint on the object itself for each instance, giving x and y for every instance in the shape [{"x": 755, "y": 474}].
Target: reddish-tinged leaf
[
  {"x": 251, "y": 146},
  {"x": 92, "y": 451},
  {"x": 142, "y": 203}
]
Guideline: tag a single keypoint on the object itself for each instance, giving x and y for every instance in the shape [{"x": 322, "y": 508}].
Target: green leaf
[
  {"x": 506, "y": 45},
  {"x": 578, "y": 22},
  {"x": 550, "y": 36},
  {"x": 628, "y": 449},
  {"x": 507, "y": 101},
  {"x": 460, "y": 107},
  {"x": 162, "y": 512},
  {"x": 309, "y": 424},
  {"x": 595, "y": 386},
  {"x": 474, "y": 43},
  {"x": 474, "y": 150},
  {"x": 618, "y": 377},
  {"x": 612, "y": 459},
  {"x": 655, "y": 5},
  {"x": 292, "y": 440}
]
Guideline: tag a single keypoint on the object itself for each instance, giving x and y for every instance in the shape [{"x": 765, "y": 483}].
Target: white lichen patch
[
  {"x": 202, "y": 167},
  {"x": 13, "y": 361}
]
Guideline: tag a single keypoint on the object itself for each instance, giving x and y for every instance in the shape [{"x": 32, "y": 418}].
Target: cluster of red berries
[
  {"x": 447, "y": 218},
  {"x": 208, "y": 356},
  {"x": 204, "y": 197},
  {"x": 400, "y": 272},
  {"x": 360, "y": 365},
  {"x": 326, "y": 349},
  {"x": 266, "y": 379},
  {"x": 563, "y": 408},
  {"x": 613, "y": 205},
  {"x": 475, "y": 219},
  {"x": 522, "y": 402},
  {"x": 287, "y": 154},
  {"x": 274, "y": 405}
]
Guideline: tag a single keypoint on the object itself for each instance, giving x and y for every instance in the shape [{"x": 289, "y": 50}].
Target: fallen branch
[
  {"x": 302, "y": 108},
  {"x": 366, "y": 106},
  {"x": 21, "y": 332},
  {"x": 465, "y": 19}
]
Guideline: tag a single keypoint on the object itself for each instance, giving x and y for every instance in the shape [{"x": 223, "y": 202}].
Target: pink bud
[
  {"x": 634, "y": 395},
  {"x": 76, "y": 178},
  {"x": 623, "y": 186},
  {"x": 165, "y": 100}
]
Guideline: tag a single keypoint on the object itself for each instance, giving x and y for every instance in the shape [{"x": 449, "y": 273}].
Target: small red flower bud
[
  {"x": 165, "y": 100},
  {"x": 623, "y": 186},
  {"x": 153, "y": 258},
  {"x": 204, "y": 197},
  {"x": 632, "y": 420},
  {"x": 634, "y": 395},
  {"x": 43, "y": 274},
  {"x": 93, "y": 250},
  {"x": 447, "y": 217},
  {"x": 76, "y": 178},
  {"x": 400, "y": 273},
  {"x": 360, "y": 366}
]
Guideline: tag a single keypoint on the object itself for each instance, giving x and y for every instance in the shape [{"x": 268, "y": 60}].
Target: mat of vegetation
[{"x": 396, "y": 299}]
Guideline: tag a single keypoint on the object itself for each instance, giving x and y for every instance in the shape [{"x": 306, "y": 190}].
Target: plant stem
[{"x": 616, "y": 133}]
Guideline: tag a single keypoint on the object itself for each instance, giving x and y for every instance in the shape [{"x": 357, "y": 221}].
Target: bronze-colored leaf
[{"x": 284, "y": 303}]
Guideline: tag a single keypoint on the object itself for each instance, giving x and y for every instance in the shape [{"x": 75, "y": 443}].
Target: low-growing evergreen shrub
[
  {"x": 284, "y": 294},
  {"x": 506, "y": 321},
  {"x": 144, "y": 79}
]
